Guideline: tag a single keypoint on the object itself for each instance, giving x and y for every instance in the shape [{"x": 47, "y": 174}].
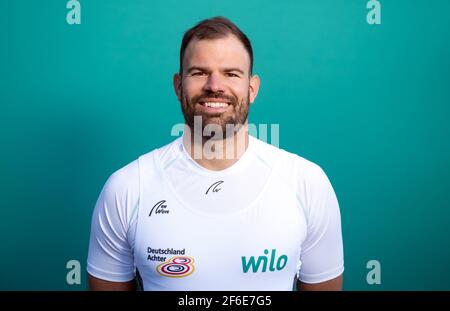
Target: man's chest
[{"x": 178, "y": 246}]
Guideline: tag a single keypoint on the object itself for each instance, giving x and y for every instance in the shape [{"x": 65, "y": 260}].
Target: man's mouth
[{"x": 215, "y": 104}]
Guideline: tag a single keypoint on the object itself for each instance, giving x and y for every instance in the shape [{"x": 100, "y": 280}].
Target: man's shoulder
[
  {"x": 124, "y": 179},
  {"x": 284, "y": 157},
  {"x": 166, "y": 151},
  {"x": 292, "y": 166},
  {"x": 128, "y": 175}
]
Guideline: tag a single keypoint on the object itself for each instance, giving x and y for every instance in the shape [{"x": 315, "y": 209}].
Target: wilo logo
[{"x": 255, "y": 264}]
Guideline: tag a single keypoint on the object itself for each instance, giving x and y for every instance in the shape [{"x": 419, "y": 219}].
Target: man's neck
[{"x": 217, "y": 154}]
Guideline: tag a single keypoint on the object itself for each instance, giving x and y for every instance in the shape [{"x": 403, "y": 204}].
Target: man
[{"x": 216, "y": 209}]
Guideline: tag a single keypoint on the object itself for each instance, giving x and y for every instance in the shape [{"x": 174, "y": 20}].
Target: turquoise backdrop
[{"x": 368, "y": 103}]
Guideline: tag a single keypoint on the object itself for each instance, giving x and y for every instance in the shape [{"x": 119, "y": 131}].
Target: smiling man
[{"x": 216, "y": 209}]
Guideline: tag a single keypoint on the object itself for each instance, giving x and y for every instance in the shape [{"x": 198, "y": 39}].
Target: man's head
[{"x": 215, "y": 80}]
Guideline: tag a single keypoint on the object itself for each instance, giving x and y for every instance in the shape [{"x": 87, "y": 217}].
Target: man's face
[{"x": 216, "y": 82}]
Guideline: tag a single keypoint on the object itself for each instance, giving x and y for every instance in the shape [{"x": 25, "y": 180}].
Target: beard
[{"x": 234, "y": 119}]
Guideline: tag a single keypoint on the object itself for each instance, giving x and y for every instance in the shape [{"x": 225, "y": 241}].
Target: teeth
[{"x": 216, "y": 105}]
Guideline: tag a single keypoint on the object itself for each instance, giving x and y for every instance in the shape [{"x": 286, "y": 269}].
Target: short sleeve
[
  {"x": 110, "y": 255},
  {"x": 322, "y": 256}
]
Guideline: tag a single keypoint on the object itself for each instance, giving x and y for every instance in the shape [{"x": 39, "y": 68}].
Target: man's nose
[{"x": 214, "y": 83}]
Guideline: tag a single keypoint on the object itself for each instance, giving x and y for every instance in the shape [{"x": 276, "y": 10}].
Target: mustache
[{"x": 231, "y": 99}]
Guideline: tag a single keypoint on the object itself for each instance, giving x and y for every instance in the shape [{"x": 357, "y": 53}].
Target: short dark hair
[{"x": 214, "y": 28}]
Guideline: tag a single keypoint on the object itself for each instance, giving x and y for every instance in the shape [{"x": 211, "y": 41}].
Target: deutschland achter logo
[{"x": 176, "y": 267}]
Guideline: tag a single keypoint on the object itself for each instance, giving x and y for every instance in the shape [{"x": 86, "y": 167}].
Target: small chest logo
[
  {"x": 214, "y": 187},
  {"x": 159, "y": 208},
  {"x": 177, "y": 267}
]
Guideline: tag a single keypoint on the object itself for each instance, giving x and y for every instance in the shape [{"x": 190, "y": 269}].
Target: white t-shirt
[{"x": 269, "y": 219}]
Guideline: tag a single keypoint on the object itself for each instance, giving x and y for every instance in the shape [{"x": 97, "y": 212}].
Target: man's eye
[
  {"x": 230, "y": 74},
  {"x": 199, "y": 73}
]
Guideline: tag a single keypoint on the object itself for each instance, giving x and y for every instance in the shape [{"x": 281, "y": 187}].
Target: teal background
[{"x": 369, "y": 103}]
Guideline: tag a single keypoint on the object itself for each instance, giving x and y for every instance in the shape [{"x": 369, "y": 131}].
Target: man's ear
[
  {"x": 254, "y": 87},
  {"x": 177, "y": 85}
]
